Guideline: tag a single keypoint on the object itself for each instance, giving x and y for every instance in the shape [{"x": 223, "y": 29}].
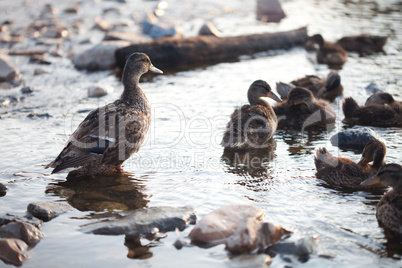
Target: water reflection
[
  {"x": 301, "y": 143},
  {"x": 105, "y": 196}
]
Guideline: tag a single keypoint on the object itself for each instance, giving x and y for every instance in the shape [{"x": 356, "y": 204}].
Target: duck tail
[{"x": 349, "y": 107}]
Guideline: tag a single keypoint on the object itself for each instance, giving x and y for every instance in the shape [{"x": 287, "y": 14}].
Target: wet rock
[
  {"x": 373, "y": 88},
  {"x": 151, "y": 27},
  {"x": 3, "y": 190},
  {"x": 223, "y": 222},
  {"x": 294, "y": 251},
  {"x": 269, "y": 11},
  {"x": 97, "y": 91},
  {"x": 38, "y": 115},
  {"x": 39, "y": 59},
  {"x": 101, "y": 24},
  {"x": 7, "y": 71},
  {"x": 146, "y": 221},
  {"x": 99, "y": 57},
  {"x": 12, "y": 251},
  {"x": 47, "y": 210},
  {"x": 27, "y": 90},
  {"x": 27, "y": 232},
  {"x": 7, "y": 100},
  {"x": 250, "y": 260},
  {"x": 209, "y": 29},
  {"x": 354, "y": 139},
  {"x": 28, "y": 218}
]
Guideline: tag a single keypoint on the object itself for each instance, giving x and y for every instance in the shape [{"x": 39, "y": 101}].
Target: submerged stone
[
  {"x": 223, "y": 222},
  {"x": 28, "y": 218},
  {"x": 354, "y": 138},
  {"x": 3, "y": 190},
  {"x": 298, "y": 250},
  {"x": 47, "y": 210},
  {"x": 146, "y": 221},
  {"x": 7, "y": 71},
  {"x": 27, "y": 232},
  {"x": 12, "y": 251}
]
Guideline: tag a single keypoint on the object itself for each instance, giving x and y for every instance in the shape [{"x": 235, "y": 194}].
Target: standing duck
[
  {"x": 323, "y": 88},
  {"x": 380, "y": 110},
  {"x": 302, "y": 110},
  {"x": 329, "y": 53},
  {"x": 252, "y": 126},
  {"x": 109, "y": 135},
  {"x": 340, "y": 171},
  {"x": 364, "y": 44},
  {"x": 389, "y": 209}
]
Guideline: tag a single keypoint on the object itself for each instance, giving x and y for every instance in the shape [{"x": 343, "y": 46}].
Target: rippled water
[{"x": 181, "y": 162}]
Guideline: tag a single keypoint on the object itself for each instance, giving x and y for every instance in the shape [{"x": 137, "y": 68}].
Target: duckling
[
  {"x": 364, "y": 44},
  {"x": 329, "y": 53},
  {"x": 380, "y": 110},
  {"x": 340, "y": 171},
  {"x": 323, "y": 88},
  {"x": 109, "y": 135},
  {"x": 252, "y": 126},
  {"x": 302, "y": 110},
  {"x": 389, "y": 209}
]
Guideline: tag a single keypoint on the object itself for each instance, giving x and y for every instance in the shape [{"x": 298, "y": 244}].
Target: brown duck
[
  {"x": 364, "y": 44},
  {"x": 323, "y": 88},
  {"x": 379, "y": 110},
  {"x": 389, "y": 209},
  {"x": 302, "y": 110},
  {"x": 109, "y": 135},
  {"x": 252, "y": 126},
  {"x": 329, "y": 53},
  {"x": 340, "y": 171}
]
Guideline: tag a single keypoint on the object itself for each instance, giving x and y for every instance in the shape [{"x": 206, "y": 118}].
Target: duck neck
[
  {"x": 378, "y": 159},
  {"x": 133, "y": 96}
]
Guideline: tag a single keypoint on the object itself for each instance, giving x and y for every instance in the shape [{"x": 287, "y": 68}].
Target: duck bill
[
  {"x": 373, "y": 180},
  {"x": 273, "y": 96},
  {"x": 155, "y": 70}
]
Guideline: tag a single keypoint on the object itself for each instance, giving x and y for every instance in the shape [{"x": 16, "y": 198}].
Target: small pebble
[
  {"x": 27, "y": 90},
  {"x": 97, "y": 91}
]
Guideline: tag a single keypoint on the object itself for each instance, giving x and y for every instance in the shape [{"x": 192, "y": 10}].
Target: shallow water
[{"x": 181, "y": 161}]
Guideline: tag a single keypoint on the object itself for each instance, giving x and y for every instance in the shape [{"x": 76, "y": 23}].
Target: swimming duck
[
  {"x": 364, "y": 44},
  {"x": 303, "y": 110},
  {"x": 252, "y": 126},
  {"x": 109, "y": 135},
  {"x": 340, "y": 171},
  {"x": 329, "y": 53},
  {"x": 379, "y": 110},
  {"x": 323, "y": 88},
  {"x": 389, "y": 209}
]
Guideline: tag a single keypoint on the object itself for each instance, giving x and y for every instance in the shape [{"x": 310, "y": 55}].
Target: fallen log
[{"x": 172, "y": 54}]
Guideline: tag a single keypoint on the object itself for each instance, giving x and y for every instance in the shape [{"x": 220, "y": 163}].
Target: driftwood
[{"x": 172, "y": 54}]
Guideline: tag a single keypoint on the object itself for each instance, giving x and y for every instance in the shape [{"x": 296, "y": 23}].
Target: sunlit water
[{"x": 181, "y": 161}]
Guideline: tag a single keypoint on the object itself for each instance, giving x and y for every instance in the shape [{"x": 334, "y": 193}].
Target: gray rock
[
  {"x": 28, "y": 218},
  {"x": 293, "y": 251},
  {"x": 27, "y": 90},
  {"x": 151, "y": 27},
  {"x": 354, "y": 139},
  {"x": 209, "y": 29},
  {"x": 47, "y": 210},
  {"x": 3, "y": 190},
  {"x": 27, "y": 232},
  {"x": 56, "y": 32},
  {"x": 97, "y": 91},
  {"x": 7, "y": 71},
  {"x": 12, "y": 251},
  {"x": 373, "y": 88},
  {"x": 146, "y": 221},
  {"x": 99, "y": 57},
  {"x": 269, "y": 11},
  {"x": 250, "y": 260}
]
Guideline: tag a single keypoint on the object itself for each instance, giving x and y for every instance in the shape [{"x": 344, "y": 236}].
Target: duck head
[
  {"x": 380, "y": 98},
  {"x": 388, "y": 175},
  {"x": 373, "y": 151},
  {"x": 258, "y": 89},
  {"x": 318, "y": 39},
  {"x": 301, "y": 95},
  {"x": 136, "y": 65}
]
